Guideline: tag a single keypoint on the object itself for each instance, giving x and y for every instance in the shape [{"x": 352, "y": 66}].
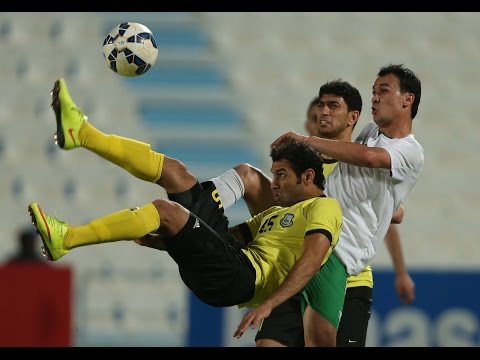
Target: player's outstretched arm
[
  {"x": 314, "y": 250},
  {"x": 348, "y": 152}
]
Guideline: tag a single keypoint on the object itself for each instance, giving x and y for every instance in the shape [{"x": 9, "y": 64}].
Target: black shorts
[
  {"x": 209, "y": 258},
  {"x": 285, "y": 324},
  {"x": 352, "y": 331}
]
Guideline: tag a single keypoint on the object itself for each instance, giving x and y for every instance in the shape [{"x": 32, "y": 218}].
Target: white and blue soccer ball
[{"x": 130, "y": 49}]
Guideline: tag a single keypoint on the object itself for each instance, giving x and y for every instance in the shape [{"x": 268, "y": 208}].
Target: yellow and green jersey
[
  {"x": 365, "y": 277},
  {"x": 278, "y": 234}
]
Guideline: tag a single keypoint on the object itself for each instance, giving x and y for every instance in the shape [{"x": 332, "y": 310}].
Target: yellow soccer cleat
[
  {"x": 69, "y": 117},
  {"x": 51, "y": 230}
]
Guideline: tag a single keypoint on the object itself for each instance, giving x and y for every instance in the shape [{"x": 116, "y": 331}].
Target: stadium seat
[{"x": 197, "y": 74}]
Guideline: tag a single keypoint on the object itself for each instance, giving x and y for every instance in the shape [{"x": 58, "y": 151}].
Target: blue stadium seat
[
  {"x": 185, "y": 74},
  {"x": 180, "y": 37},
  {"x": 190, "y": 114},
  {"x": 220, "y": 154}
]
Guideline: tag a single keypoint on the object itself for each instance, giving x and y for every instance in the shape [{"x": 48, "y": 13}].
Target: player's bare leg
[
  {"x": 258, "y": 194},
  {"x": 163, "y": 217},
  {"x": 73, "y": 130},
  {"x": 319, "y": 332}
]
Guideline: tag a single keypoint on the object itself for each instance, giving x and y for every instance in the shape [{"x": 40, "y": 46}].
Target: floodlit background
[{"x": 224, "y": 86}]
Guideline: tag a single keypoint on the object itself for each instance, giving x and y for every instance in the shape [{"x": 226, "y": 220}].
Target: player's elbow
[
  {"x": 396, "y": 220},
  {"x": 397, "y": 217}
]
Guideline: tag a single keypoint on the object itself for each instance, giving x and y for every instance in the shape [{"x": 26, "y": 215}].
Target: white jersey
[{"x": 370, "y": 196}]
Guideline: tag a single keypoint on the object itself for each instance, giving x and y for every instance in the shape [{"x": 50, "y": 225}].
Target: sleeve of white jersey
[{"x": 406, "y": 157}]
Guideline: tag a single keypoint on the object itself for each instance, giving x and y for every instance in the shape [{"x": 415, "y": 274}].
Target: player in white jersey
[
  {"x": 337, "y": 106},
  {"x": 380, "y": 189},
  {"x": 377, "y": 172}
]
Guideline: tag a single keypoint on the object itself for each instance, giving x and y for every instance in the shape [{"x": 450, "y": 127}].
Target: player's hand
[
  {"x": 405, "y": 288},
  {"x": 290, "y": 135},
  {"x": 253, "y": 318}
]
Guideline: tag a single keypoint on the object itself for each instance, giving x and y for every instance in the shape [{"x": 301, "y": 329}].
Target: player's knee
[
  {"x": 175, "y": 176},
  {"x": 247, "y": 173},
  {"x": 243, "y": 170},
  {"x": 166, "y": 208},
  {"x": 173, "y": 216}
]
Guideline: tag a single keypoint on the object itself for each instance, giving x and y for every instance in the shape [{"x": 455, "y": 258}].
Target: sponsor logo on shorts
[{"x": 197, "y": 224}]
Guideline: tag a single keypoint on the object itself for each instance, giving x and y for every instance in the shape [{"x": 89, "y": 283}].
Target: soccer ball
[{"x": 130, "y": 49}]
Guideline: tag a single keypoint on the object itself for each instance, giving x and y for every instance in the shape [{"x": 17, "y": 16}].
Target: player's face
[
  {"x": 387, "y": 100},
  {"x": 311, "y": 121},
  {"x": 333, "y": 116},
  {"x": 286, "y": 187}
]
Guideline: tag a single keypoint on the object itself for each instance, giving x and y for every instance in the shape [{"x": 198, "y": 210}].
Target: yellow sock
[
  {"x": 123, "y": 225},
  {"x": 134, "y": 156}
]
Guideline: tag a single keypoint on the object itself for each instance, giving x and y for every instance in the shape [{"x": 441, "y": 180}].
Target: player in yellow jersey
[{"x": 261, "y": 263}]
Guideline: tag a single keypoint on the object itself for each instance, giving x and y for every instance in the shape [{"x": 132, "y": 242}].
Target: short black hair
[
  {"x": 301, "y": 156},
  {"x": 409, "y": 82},
  {"x": 348, "y": 92}
]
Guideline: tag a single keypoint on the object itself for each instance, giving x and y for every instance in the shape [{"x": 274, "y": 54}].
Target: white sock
[{"x": 230, "y": 187}]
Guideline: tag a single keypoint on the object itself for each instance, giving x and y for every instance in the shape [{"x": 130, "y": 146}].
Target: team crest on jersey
[{"x": 287, "y": 220}]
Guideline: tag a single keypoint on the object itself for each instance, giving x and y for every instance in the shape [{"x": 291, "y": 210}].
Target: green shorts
[{"x": 325, "y": 292}]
